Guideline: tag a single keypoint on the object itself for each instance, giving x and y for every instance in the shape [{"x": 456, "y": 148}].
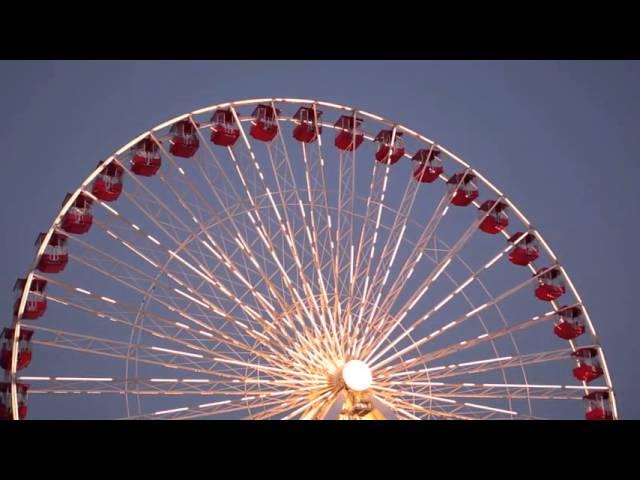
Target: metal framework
[{"x": 239, "y": 282}]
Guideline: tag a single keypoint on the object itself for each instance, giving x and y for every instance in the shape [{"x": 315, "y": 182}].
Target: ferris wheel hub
[{"x": 357, "y": 375}]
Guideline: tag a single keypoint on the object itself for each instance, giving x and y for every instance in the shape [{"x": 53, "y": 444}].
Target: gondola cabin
[
  {"x": 184, "y": 139},
  {"x": 307, "y": 125},
  {"x": 6, "y": 410},
  {"x": 78, "y": 218},
  {"x": 55, "y": 256},
  {"x": 349, "y": 136},
  {"x": 589, "y": 367},
  {"x": 390, "y": 147},
  {"x": 570, "y": 324},
  {"x": 429, "y": 165},
  {"x": 36, "y": 302},
  {"x": 108, "y": 184},
  {"x": 496, "y": 219},
  {"x": 598, "y": 406},
  {"x": 463, "y": 189},
  {"x": 526, "y": 249},
  {"x": 24, "y": 348},
  {"x": 146, "y": 158},
  {"x": 264, "y": 126},
  {"x": 224, "y": 131},
  {"x": 550, "y": 285}
]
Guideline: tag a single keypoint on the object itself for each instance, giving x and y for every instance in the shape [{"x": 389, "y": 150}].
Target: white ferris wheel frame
[{"x": 16, "y": 324}]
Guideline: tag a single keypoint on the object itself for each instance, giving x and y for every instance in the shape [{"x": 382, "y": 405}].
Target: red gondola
[
  {"x": 108, "y": 184},
  {"x": 24, "y": 348},
  {"x": 526, "y": 250},
  {"x": 598, "y": 406},
  {"x": 305, "y": 130},
  {"x": 496, "y": 220},
  {"x": 55, "y": 256},
  {"x": 184, "y": 139},
  {"x": 146, "y": 158},
  {"x": 224, "y": 131},
  {"x": 264, "y": 126},
  {"x": 570, "y": 324},
  {"x": 386, "y": 152},
  {"x": 78, "y": 219},
  {"x": 464, "y": 193},
  {"x": 6, "y": 411},
  {"x": 36, "y": 303},
  {"x": 550, "y": 285},
  {"x": 348, "y": 134},
  {"x": 589, "y": 367},
  {"x": 429, "y": 167}
]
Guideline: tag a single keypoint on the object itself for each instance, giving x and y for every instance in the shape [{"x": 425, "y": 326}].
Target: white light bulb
[{"x": 356, "y": 375}]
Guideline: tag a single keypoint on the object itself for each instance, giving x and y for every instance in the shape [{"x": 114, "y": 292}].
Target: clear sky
[{"x": 560, "y": 138}]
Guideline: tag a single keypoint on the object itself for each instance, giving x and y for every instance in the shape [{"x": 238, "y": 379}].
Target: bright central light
[{"x": 356, "y": 375}]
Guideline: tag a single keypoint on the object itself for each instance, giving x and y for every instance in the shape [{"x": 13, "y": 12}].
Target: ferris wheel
[{"x": 284, "y": 258}]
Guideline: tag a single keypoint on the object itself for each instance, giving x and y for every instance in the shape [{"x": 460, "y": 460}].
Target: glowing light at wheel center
[{"x": 357, "y": 375}]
